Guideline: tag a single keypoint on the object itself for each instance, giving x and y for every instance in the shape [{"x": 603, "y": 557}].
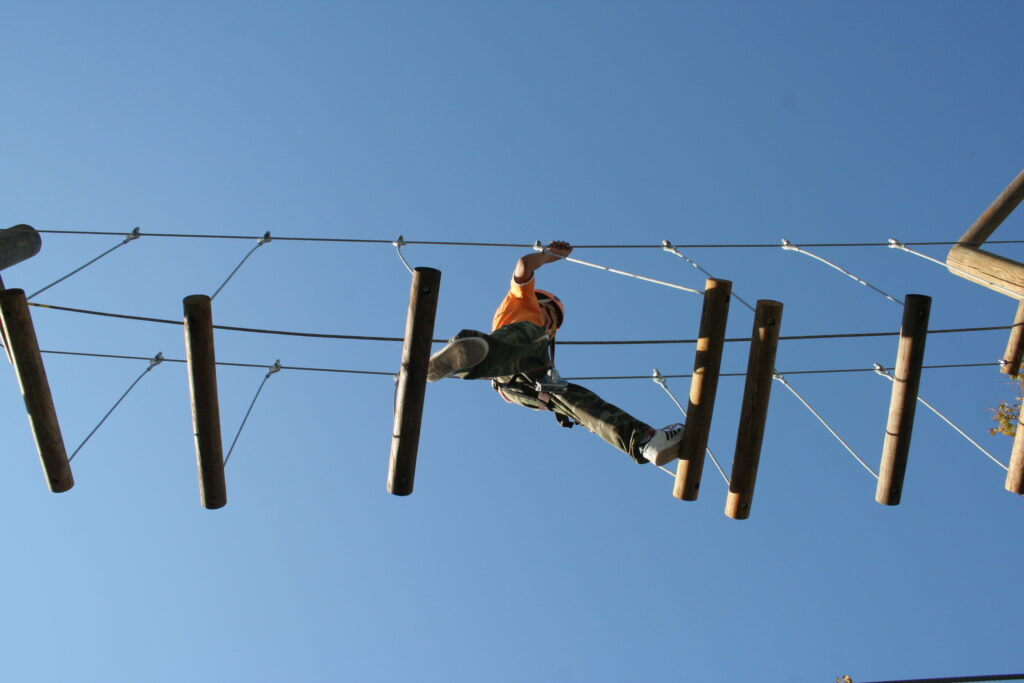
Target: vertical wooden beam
[
  {"x": 703, "y": 387},
  {"x": 995, "y": 214},
  {"x": 202, "y": 385},
  {"x": 1015, "y": 345},
  {"x": 764, "y": 343},
  {"x": 23, "y": 347},
  {"x": 412, "y": 380},
  {"x": 18, "y": 243},
  {"x": 907, "y": 374},
  {"x": 1015, "y": 475}
]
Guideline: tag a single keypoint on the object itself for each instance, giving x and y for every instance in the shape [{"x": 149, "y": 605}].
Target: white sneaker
[
  {"x": 663, "y": 447},
  {"x": 460, "y": 354}
]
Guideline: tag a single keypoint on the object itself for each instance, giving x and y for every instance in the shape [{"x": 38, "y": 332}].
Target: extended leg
[{"x": 611, "y": 423}]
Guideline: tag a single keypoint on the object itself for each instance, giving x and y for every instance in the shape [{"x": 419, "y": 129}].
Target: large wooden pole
[
  {"x": 23, "y": 348},
  {"x": 412, "y": 380},
  {"x": 202, "y": 385},
  {"x": 907, "y": 374},
  {"x": 995, "y": 214},
  {"x": 703, "y": 387},
  {"x": 18, "y": 243},
  {"x": 1015, "y": 344},
  {"x": 754, "y": 414}
]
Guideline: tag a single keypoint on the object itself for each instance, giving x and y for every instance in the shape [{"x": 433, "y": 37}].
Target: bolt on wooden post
[
  {"x": 412, "y": 380},
  {"x": 703, "y": 387},
  {"x": 202, "y": 385},
  {"x": 764, "y": 343},
  {"x": 903, "y": 403},
  {"x": 23, "y": 348}
]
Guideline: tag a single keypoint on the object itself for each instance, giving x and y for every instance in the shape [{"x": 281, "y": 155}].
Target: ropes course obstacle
[{"x": 965, "y": 259}]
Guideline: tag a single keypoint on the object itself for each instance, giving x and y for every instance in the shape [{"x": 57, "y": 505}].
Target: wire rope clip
[
  {"x": 881, "y": 370},
  {"x": 263, "y": 240},
  {"x": 895, "y": 243},
  {"x": 133, "y": 235},
  {"x": 658, "y": 378},
  {"x": 156, "y": 360},
  {"x": 276, "y": 367},
  {"x": 788, "y": 246},
  {"x": 537, "y": 246}
]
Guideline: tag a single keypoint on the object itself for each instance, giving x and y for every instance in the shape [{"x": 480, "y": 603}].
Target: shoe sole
[{"x": 458, "y": 355}]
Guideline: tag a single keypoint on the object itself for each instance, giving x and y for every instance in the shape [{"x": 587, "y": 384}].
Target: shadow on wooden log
[
  {"x": 907, "y": 374},
  {"x": 703, "y": 387},
  {"x": 764, "y": 343},
  {"x": 202, "y": 384},
  {"x": 23, "y": 348},
  {"x": 412, "y": 380}
]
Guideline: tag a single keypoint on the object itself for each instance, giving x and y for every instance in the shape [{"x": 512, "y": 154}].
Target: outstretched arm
[{"x": 534, "y": 260}]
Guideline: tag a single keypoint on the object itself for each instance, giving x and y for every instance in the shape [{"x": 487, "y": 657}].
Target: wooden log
[
  {"x": 996, "y": 272},
  {"x": 1015, "y": 345},
  {"x": 703, "y": 387},
  {"x": 23, "y": 346},
  {"x": 18, "y": 243},
  {"x": 1015, "y": 475},
  {"x": 202, "y": 385},
  {"x": 995, "y": 214},
  {"x": 907, "y": 375},
  {"x": 754, "y": 414},
  {"x": 412, "y": 380}
]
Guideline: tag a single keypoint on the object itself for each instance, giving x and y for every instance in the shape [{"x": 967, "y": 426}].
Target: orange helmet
[{"x": 544, "y": 297}]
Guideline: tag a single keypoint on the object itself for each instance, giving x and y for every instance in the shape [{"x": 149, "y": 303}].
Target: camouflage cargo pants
[{"x": 518, "y": 354}]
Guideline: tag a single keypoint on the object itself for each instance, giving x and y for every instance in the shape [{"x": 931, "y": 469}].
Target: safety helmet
[{"x": 544, "y": 297}]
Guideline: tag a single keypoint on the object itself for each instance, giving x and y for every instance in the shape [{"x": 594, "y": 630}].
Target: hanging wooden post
[
  {"x": 202, "y": 384},
  {"x": 1015, "y": 475},
  {"x": 18, "y": 243},
  {"x": 703, "y": 387},
  {"x": 907, "y": 374},
  {"x": 764, "y": 343},
  {"x": 23, "y": 347},
  {"x": 1015, "y": 345},
  {"x": 412, "y": 380}
]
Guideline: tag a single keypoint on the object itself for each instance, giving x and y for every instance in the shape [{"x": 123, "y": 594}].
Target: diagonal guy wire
[
  {"x": 667, "y": 246},
  {"x": 537, "y": 246},
  {"x": 789, "y": 246},
  {"x": 156, "y": 360},
  {"x": 259, "y": 243},
  {"x": 133, "y": 235},
  {"x": 276, "y": 367},
  {"x": 660, "y": 380},
  {"x": 807, "y": 405},
  {"x": 881, "y": 370}
]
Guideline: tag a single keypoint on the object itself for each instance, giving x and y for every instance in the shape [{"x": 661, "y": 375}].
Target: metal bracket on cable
[
  {"x": 157, "y": 360},
  {"x": 398, "y": 244},
  {"x": 133, "y": 235},
  {"x": 263, "y": 240},
  {"x": 276, "y": 367}
]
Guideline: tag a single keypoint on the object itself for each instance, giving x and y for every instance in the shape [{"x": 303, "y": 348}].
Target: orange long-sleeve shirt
[{"x": 518, "y": 305}]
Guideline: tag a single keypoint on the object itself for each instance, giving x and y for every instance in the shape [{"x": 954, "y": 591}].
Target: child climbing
[{"x": 518, "y": 358}]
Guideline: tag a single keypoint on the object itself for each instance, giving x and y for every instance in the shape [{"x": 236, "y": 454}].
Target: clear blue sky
[{"x": 527, "y": 552}]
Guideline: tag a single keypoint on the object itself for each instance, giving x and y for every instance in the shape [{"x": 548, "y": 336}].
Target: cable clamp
[
  {"x": 398, "y": 244},
  {"x": 263, "y": 240},
  {"x": 780, "y": 377},
  {"x": 537, "y": 246},
  {"x": 788, "y": 246},
  {"x": 667, "y": 246},
  {"x": 133, "y": 235},
  {"x": 895, "y": 244},
  {"x": 658, "y": 378},
  {"x": 276, "y": 367},
  {"x": 157, "y": 360},
  {"x": 880, "y": 369}
]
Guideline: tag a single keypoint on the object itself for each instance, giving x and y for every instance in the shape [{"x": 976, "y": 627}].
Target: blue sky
[{"x": 527, "y": 552}]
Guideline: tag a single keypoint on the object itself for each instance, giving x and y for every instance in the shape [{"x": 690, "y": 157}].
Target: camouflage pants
[{"x": 518, "y": 354}]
